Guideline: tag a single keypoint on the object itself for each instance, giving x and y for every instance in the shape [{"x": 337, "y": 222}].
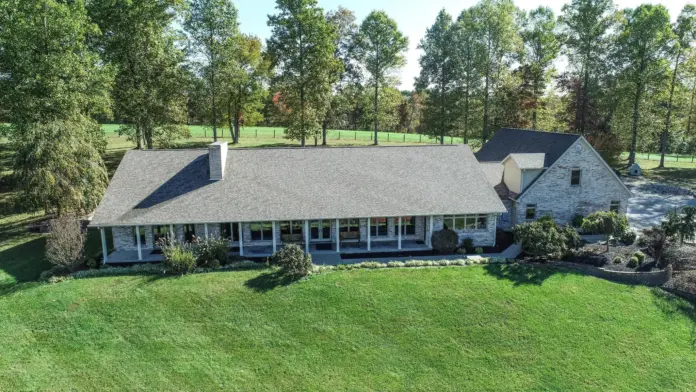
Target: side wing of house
[{"x": 578, "y": 183}]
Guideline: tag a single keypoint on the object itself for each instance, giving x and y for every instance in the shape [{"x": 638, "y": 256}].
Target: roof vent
[{"x": 217, "y": 155}]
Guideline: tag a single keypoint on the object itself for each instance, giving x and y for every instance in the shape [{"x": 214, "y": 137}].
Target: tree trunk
[
  {"x": 665, "y": 134},
  {"x": 324, "y": 125},
  {"x": 583, "y": 112},
  {"x": 691, "y": 109},
  {"x": 485, "y": 109},
  {"x": 636, "y": 118},
  {"x": 376, "y": 110}
]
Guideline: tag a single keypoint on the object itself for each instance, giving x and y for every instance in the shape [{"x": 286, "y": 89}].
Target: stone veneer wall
[
  {"x": 553, "y": 194},
  {"x": 481, "y": 237}
]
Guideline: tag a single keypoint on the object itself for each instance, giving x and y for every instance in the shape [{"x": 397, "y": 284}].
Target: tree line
[{"x": 155, "y": 66}]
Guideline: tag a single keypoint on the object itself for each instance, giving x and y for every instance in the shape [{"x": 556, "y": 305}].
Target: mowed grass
[{"x": 499, "y": 328}]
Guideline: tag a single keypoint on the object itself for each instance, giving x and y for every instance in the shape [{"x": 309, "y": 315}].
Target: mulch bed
[{"x": 597, "y": 255}]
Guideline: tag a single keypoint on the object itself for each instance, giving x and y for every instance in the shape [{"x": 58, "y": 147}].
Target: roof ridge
[{"x": 309, "y": 148}]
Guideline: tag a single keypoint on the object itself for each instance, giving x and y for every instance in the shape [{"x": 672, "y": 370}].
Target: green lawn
[{"x": 477, "y": 328}]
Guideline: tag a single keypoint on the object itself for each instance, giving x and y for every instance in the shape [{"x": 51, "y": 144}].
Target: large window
[
  {"x": 262, "y": 231},
  {"x": 575, "y": 177},
  {"x": 291, "y": 227},
  {"x": 320, "y": 229},
  {"x": 159, "y": 233},
  {"x": 378, "y": 227},
  {"x": 615, "y": 206},
  {"x": 229, "y": 231},
  {"x": 142, "y": 236},
  {"x": 349, "y": 225},
  {"x": 189, "y": 232},
  {"x": 408, "y": 225},
  {"x": 464, "y": 222},
  {"x": 530, "y": 211}
]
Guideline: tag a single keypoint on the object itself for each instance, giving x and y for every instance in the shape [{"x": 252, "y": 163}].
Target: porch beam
[
  {"x": 399, "y": 237},
  {"x": 171, "y": 233},
  {"x": 337, "y": 238},
  {"x": 103, "y": 241},
  {"x": 205, "y": 228},
  {"x": 241, "y": 238},
  {"x": 273, "y": 225},
  {"x": 430, "y": 233},
  {"x": 306, "y": 235},
  {"x": 369, "y": 235},
  {"x": 137, "y": 241}
]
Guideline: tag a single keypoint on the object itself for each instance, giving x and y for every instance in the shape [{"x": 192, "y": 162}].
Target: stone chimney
[{"x": 217, "y": 155}]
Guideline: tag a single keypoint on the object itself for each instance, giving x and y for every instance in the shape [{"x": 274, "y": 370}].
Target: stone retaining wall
[{"x": 657, "y": 278}]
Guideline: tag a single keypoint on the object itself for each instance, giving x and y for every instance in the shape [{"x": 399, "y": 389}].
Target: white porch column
[
  {"x": 273, "y": 225},
  {"x": 430, "y": 233},
  {"x": 306, "y": 235},
  {"x": 369, "y": 229},
  {"x": 241, "y": 238},
  {"x": 205, "y": 228},
  {"x": 338, "y": 238},
  {"x": 171, "y": 233},
  {"x": 399, "y": 237},
  {"x": 104, "y": 250},
  {"x": 137, "y": 241}
]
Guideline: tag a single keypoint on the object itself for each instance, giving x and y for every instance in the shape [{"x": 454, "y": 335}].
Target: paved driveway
[{"x": 648, "y": 209}]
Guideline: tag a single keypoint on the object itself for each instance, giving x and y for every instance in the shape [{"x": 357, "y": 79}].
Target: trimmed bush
[
  {"x": 445, "y": 241},
  {"x": 468, "y": 244},
  {"x": 65, "y": 245},
  {"x": 618, "y": 260},
  {"x": 608, "y": 223},
  {"x": 633, "y": 262},
  {"x": 210, "y": 252},
  {"x": 628, "y": 237},
  {"x": 577, "y": 221},
  {"x": 293, "y": 260},
  {"x": 544, "y": 238},
  {"x": 640, "y": 256},
  {"x": 395, "y": 264},
  {"x": 479, "y": 250}
]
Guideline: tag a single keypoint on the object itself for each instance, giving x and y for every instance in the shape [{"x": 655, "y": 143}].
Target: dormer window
[{"x": 575, "y": 177}]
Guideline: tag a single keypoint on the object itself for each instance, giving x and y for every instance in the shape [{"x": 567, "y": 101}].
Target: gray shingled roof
[
  {"x": 173, "y": 186},
  {"x": 529, "y": 161},
  {"x": 508, "y": 141},
  {"x": 493, "y": 171}
]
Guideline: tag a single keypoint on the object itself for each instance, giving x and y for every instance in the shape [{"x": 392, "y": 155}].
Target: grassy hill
[{"x": 477, "y": 328}]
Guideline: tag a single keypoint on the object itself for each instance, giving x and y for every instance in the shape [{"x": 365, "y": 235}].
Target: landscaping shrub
[
  {"x": 210, "y": 252},
  {"x": 654, "y": 241},
  {"x": 608, "y": 223},
  {"x": 445, "y": 241},
  {"x": 628, "y": 237},
  {"x": 65, "y": 245},
  {"x": 618, "y": 260},
  {"x": 179, "y": 259},
  {"x": 640, "y": 256},
  {"x": 479, "y": 250},
  {"x": 293, "y": 260},
  {"x": 544, "y": 238},
  {"x": 577, "y": 221},
  {"x": 468, "y": 244},
  {"x": 681, "y": 224},
  {"x": 633, "y": 262}
]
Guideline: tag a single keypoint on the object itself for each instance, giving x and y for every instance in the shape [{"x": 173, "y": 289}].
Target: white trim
[
  {"x": 273, "y": 225},
  {"x": 430, "y": 233},
  {"x": 306, "y": 235},
  {"x": 103, "y": 241},
  {"x": 241, "y": 238},
  {"x": 399, "y": 240},
  {"x": 205, "y": 228},
  {"x": 171, "y": 233},
  {"x": 369, "y": 229},
  {"x": 137, "y": 241},
  {"x": 338, "y": 238}
]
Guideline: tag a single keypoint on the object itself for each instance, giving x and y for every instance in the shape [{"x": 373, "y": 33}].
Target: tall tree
[
  {"x": 211, "y": 24},
  {"x": 343, "y": 21},
  {"x": 494, "y": 21},
  {"x": 244, "y": 72},
  {"x": 542, "y": 47},
  {"x": 53, "y": 85},
  {"x": 685, "y": 34},
  {"x": 380, "y": 48},
  {"x": 302, "y": 46},
  {"x": 139, "y": 41},
  {"x": 470, "y": 53},
  {"x": 440, "y": 74},
  {"x": 586, "y": 25},
  {"x": 642, "y": 45}
]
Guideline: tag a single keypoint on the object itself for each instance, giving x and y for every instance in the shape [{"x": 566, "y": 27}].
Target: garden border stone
[{"x": 654, "y": 278}]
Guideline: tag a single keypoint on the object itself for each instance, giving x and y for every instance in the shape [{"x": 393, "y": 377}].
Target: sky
[{"x": 412, "y": 16}]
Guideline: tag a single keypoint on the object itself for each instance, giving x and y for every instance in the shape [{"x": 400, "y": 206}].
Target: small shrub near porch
[
  {"x": 445, "y": 241},
  {"x": 544, "y": 238},
  {"x": 293, "y": 260}
]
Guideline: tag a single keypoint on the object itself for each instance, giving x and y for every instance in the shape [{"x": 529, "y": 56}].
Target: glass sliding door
[
  {"x": 378, "y": 227},
  {"x": 320, "y": 230}
]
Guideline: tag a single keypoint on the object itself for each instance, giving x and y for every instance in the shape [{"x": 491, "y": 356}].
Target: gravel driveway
[{"x": 651, "y": 201}]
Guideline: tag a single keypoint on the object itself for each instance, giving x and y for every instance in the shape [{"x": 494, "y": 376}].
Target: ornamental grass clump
[
  {"x": 210, "y": 252},
  {"x": 179, "y": 258}
]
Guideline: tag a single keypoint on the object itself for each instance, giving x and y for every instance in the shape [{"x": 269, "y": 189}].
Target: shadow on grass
[
  {"x": 269, "y": 281},
  {"x": 672, "y": 305},
  {"x": 521, "y": 274}
]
